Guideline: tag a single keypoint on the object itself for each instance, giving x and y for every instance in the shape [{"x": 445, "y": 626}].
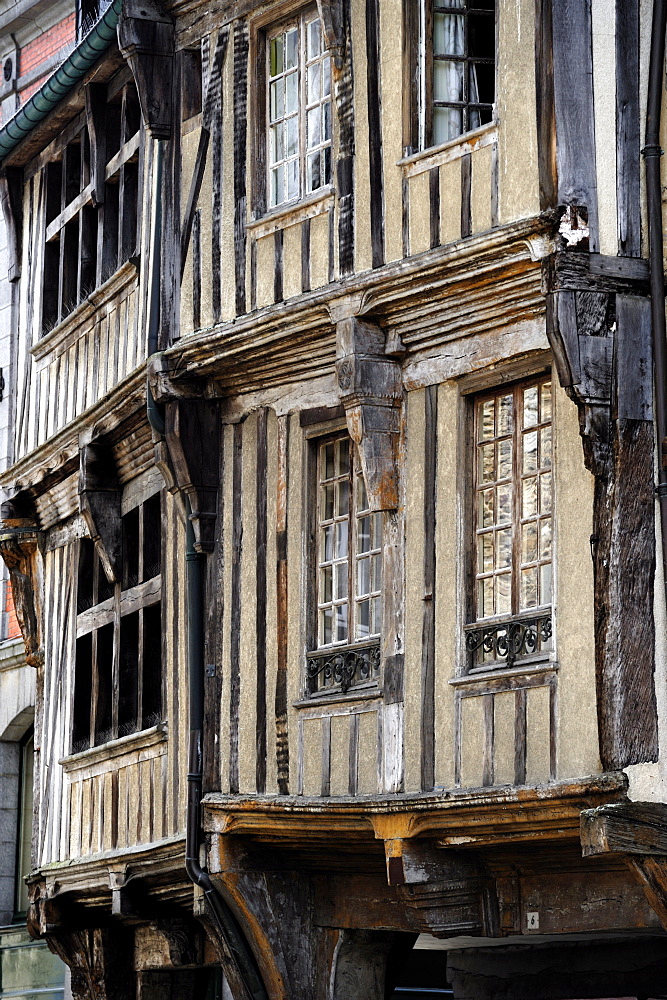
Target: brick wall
[
  {"x": 12, "y": 626},
  {"x": 47, "y": 45}
]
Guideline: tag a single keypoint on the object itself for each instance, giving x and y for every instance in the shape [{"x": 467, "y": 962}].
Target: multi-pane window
[
  {"x": 298, "y": 111},
  {"x": 458, "y": 73},
  {"x": 349, "y": 602},
  {"x": 118, "y": 669},
  {"x": 86, "y": 241},
  {"x": 513, "y": 501}
]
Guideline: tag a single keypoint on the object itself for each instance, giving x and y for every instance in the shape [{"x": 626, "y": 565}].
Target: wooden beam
[
  {"x": 11, "y": 199},
  {"x": 146, "y": 40},
  {"x": 625, "y": 828}
]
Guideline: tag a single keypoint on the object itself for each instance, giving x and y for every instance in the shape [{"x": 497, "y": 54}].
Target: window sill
[
  {"x": 109, "y": 756},
  {"x": 522, "y": 669},
  {"x": 336, "y": 697},
  {"x": 99, "y": 297},
  {"x": 434, "y": 156},
  {"x": 289, "y": 215}
]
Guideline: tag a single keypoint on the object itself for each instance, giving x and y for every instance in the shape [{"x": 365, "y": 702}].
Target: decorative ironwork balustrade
[
  {"x": 343, "y": 667},
  {"x": 503, "y": 643}
]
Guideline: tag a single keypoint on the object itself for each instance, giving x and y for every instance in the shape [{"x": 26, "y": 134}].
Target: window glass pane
[
  {"x": 343, "y": 457},
  {"x": 326, "y": 165},
  {"x": 530, "y": 407},
  {"x": 276, "y": 143},
  {"x": 327, "y": 502},
  {"x": 448, "y": 80},
  {"x": 363, "y": 619},
  {"x": 504, "y": 549},
  {"x": 291, "y": 93},
  {"x": 341, "y": 622},
  {"x": 503, "y": 594},
  {"x": 488, "y": 463},
  {"x": 529, "y": 587},
  {"x": 291, "y": 48},
  {"x": 530, "y": 452},
  {"x": 376, "y": 572},
  {"x": 314, "y": 78},
  {"x": 277, "y": 185},
  {"x": 314, "y": 128},
  {"x": 327, "y": 543},
  {"x": 326, "y": 589},
  {"x": 481, "y": 36},
  {"x": 341, "y": 539},
  {"x": 326, "y": 77},
  {"x": 487, "y": 499},
  {"x": 329, "y": 461},
  {"x": 505, "y": 415},
  {"x": 545, "y": 584},
  {"x": 447, "y": 124},
  {"x": 504, "y": 459},
  {"x": 529, "y": 542},
  {"x": 487, "y": 419},
  {"x": 293, "y": 179},
  {"x": 364, "y": 534},
  {"x": 529, "y": 506},
  {"x": 343, "y": 497},
  {"x": 482, "y": 85},
  {"x": 292, "y": 137},
  {"x": 277, "y": 99},
  {"x": 545, "y": 493},
  {"x": 448, "y": 34},
  {"x": 485, "y": 550},
  {"x": 545, "y": 448},
  {"x": 545, "y": 539},
  {"x": 313, "y": 36},
  {"x": 504, "y": 504},
  {"x": 545, "y": 404},
  {"x": 326, "y": 625},
  {"x": 276, "y": 59},
  {"x": 363, "y": 577},
  {"x": 341, "y": 581}
]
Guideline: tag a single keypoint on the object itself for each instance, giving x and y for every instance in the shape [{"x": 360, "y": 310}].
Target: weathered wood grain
[
  {"x": 628, "y": 124},
  {"x": 427, "y": 726},
  {"x": 374, "y": 132},
  {"x": 261, "y": 598},
  {"x": 240, "y": 128},
  {"x": 236, "y": 597}
]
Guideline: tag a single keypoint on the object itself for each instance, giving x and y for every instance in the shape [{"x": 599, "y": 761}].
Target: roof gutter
[{"x": 61, "y": 81}]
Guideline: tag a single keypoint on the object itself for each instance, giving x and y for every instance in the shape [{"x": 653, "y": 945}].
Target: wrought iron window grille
[
  {"x": 343, "y": 667},
  {"x": 503, "y": 643}
]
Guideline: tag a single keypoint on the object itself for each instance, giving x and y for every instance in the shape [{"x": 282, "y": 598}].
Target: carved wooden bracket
[
  {"x": 370, "y": 388},
  {"x": 11, "y": 198},
  {"x": 99, "y": 504},
  {"x": 19, "y": 548},
  {"x": 192, "y": 435},
  {"x": 638, "y": 831},
  {"x": 146, "y": 40}
]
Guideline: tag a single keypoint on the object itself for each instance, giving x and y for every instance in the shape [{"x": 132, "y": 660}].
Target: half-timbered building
[{"x": 331, "y": 518}]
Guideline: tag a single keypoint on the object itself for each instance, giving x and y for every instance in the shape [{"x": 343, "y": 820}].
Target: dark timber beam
[
  {"x": 146, "y": 40},
  {"x": 99, "y": 504}
]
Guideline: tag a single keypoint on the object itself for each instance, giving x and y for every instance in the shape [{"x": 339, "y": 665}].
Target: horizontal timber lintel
[{"x": 474, "y": 816}]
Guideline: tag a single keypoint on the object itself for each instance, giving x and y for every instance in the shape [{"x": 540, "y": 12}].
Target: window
[
  {"x": 24, "y": 840},
  {"x": 298, "y": 110},
  {"x": 512, "y": 523},
  {"x": 86, "y": 243},
  {"x": 455, "y": 68},
  {"x": 349, "y": 571},
  {"x": 118, "y": 669}
]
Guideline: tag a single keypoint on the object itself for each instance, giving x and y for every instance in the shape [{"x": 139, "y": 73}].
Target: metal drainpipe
[
  {"x": 195, "y": 561},
  {"x": 652, "y": 153}
]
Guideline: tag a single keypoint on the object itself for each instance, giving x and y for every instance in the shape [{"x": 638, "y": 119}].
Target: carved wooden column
[
  {"x": 19, "y": 548},
  {"x": 599, "y": 328},
  {"x": 370, "y": 388}
]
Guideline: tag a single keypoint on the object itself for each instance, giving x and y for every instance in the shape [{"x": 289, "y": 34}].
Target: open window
[
  {"x": 450, "y": 71},
  {"x": 90, "y": 184},
  {"x": 118, "y": 668}
]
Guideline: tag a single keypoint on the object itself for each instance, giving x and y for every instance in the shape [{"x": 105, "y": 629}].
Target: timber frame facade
[{"x": 330, "y": 517}]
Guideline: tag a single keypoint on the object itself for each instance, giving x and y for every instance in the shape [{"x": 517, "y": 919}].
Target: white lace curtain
[{"x": 449, "y": 74}]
